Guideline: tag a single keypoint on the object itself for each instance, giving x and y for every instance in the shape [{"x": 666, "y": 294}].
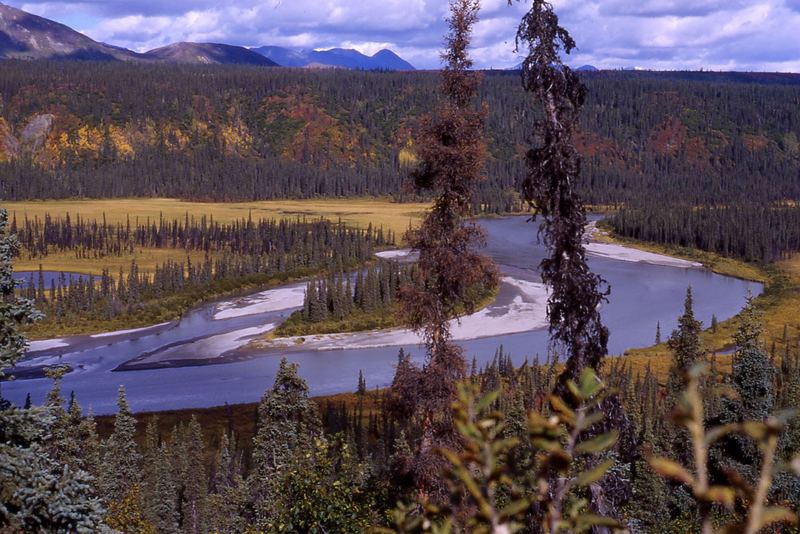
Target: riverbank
[
  {"x": 386, "y": 316},
  {"x": 714, "y": 262},
  {"x": 520, "y": 306},
  {"x": 168, "y": 308},
  {"x": 779, "y": 303},
  {"x": 369, "y": 333}
]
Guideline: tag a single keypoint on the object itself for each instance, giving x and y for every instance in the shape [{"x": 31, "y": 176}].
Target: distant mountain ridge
[
  {"x": 27, "y": 36},
  {"x": 208, "y": 54},
  {"x": 335, "y": 57}
]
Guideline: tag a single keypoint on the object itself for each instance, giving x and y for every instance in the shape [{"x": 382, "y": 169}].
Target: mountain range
[
  {"x": 335, "y": 57},
  {"x": 28, "y": 37}
]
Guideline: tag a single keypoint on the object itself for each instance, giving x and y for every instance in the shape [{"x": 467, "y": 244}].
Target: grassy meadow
[{"x": 353, "y": 212}]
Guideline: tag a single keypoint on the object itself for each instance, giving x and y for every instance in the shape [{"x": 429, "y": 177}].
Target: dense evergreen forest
[
  {"x": 751, "y": 232},
  {"x": 223, "y": 133}
]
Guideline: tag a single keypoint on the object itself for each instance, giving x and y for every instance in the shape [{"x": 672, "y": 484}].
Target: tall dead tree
[
  {"x": 452, "y": 152},
  {"x": 550, "y": 188}
]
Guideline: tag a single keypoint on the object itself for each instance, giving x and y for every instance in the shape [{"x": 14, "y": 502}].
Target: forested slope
[{"x": 106, "y": 130}]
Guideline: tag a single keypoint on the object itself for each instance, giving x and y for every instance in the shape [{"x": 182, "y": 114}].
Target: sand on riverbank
[
  {"x": 129, "y": 331},
  {"x": 402, "y": 254},
  {"x": 282, "y": 298},
  {"x": 207, "y": 348},
  {"x": 622, "y": 253},
  {"x": 613, "y": 251},
  {"x": 521, "y": 306},
  {"x": 46, "y": 344}
]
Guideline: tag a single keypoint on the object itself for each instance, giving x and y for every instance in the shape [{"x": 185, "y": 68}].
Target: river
[{"x": 643, "y": 294}]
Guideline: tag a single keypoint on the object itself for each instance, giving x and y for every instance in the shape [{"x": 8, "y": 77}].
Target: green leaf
[
  {"x": 590, "y": 384},
  {"x": 589, "y": 420},
  {"x": 673, "y": 470},
  {"x": 755, "y": 429},
  {"x": 451, "y": 457},
  {"x": 515, "y": 508},
  {"x": 719, "y": 432},
  {"x": 558, "y": 460},
  {"x": 486, "y": 401},
  {"x": 601, "y": 443},
  {"x": 784, "y": 417},
  {"x": 698, "y": 369},
  {"x": 593, "y": 475}
]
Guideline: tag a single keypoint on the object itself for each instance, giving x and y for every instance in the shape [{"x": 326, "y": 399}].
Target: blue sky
[{"x": 659, "y": 34}]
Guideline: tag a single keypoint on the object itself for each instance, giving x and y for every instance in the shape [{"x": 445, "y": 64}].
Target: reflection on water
[
  {"x": 48, "y": 278},
  {"x": 642, "y": 295}
]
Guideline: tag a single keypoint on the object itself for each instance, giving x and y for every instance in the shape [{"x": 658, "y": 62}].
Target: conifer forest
[{"x": 697, "y": 433}]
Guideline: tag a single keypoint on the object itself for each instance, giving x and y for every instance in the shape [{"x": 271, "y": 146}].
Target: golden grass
[
  {"x": 146, "y": 259},
  {"x": 359, "y": 212},
  {"x": 356, "y": 212},
  {"x": 659, "y": 364}
]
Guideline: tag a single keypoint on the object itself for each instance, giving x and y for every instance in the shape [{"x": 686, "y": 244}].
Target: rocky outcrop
[
  {"x": 35, "y": 133},
  {"x": 30, "y": 141}
]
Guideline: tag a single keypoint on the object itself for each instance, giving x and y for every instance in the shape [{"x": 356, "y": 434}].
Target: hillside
[
  {"x": 24, "y": 36},
  {"x": 209, "y": 54},
  {"x": 108, "y": 130},
  {"x": 27, "y": 36}
]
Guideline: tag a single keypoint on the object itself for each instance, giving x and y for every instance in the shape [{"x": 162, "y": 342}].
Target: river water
[{"x": 643, "y": 294}]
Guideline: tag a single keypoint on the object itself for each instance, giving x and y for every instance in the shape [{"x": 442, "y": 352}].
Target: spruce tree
[
  {"x": 90, "y": 448},
  {"x": 685, "y": 346},
  {"x": 362, "y": 384},
  {"x": 551, "y": 190},
  {"x": 121, "y": 459},
  {"x": 288, "y": 424},
  {"x": 165, "y": 495},
  {"x": 753, "y": 373},
  {"x": 37, "y": 492},
  {"x": 452, "y": 153},
  {"x": 194, "y": 481},
  {"x": 230, "y": 498},
  {"x": 150, "y": 451}
]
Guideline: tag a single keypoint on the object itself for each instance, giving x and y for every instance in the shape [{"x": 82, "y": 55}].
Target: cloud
[{"x": 664, "y": 34}]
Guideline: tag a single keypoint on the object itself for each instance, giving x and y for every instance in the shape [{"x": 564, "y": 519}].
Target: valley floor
[{"x": 361, "y": 212}]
